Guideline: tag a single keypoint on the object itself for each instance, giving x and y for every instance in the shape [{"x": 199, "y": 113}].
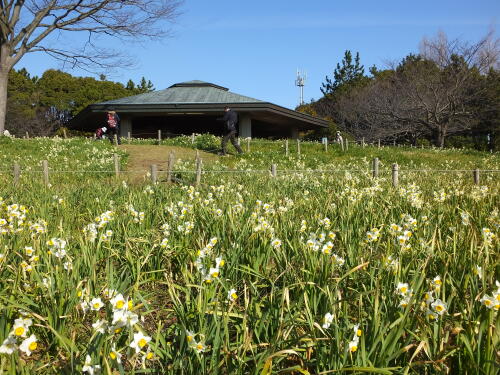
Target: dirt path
[{"x": 141, "y": 157}]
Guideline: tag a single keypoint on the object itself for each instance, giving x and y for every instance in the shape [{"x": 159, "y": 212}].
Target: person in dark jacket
[
  {"x": 113, "y": 121},
  {"x": 230, "y": 119}
]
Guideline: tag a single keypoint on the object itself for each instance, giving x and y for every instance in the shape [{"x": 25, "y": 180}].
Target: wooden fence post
[
  {"x": 298, "y": 147},
  {"x": 115, "y": 140},
  {"x": 286, "y": 147},
  {"x": 192, "y": 138},
  {"x": 375, "y": 167},
  {"x": 154, "y": 173},
  {"x": 159, "y": 137},
  {"x": 475, "y": 174},
  {"x": 128, "y": 137},
  {"x": 273, "y": 170},
  {"x": 117, "y": 165},
  {"x": 248, "y": 144},
  {"x": 379, "y": 143},
  {"x": 170, "y": 166},
  {"x": 395, "y": 175},
  {"x": 64, "y": 133},
  {"x": 342, "y": 144},
  {"x": 45, "y": 168},
  {"x": 326, "y": 145},
  {"x": 394, "y": 143},
  {"x": 363, "y": 142},
  {"x": 346, "y": 144},
  {"x": 17, "y": 173},
  {"x": 198, "y": 171},
  {"x": 27, "y": 135}
]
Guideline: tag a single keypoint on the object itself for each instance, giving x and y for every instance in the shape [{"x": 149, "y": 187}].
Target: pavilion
[{"x": 193, "y": 107}]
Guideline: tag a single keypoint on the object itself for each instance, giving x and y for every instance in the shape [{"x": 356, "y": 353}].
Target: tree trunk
[
  {"x": 4, "y": 79},
  {"x": 439, "y": 136}
]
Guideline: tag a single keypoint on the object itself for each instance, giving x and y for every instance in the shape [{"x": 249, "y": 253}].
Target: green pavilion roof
[{"x": 184, "y": 93}]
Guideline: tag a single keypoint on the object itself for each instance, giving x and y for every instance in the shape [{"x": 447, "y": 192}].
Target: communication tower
[{"x": 300, "y": 81}]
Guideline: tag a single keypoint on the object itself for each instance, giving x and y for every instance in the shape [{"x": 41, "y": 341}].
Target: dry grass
[{"x": 141, "y": 157}]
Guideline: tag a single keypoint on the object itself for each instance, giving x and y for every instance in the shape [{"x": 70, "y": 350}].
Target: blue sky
[{"x": 255, "y": 47}]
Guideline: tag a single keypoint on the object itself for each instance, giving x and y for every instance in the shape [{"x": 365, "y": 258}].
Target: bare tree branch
[{"x": 26, "y": 24}]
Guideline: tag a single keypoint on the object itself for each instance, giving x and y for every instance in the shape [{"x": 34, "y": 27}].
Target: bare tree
[
  {"x": 435, "y": 94},
  {"x": 482, "y": 55},
  {"x": 25, "y": 26}
]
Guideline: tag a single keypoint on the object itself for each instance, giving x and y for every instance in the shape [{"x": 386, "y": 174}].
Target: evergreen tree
[
  {"x": 145, "y": 86},
  {"x": 350, "y": 73}
]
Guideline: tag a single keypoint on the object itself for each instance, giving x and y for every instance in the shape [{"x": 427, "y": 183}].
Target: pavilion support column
[
  {"x": 126, "y": 125},
  {"x": 245, "y": 126},
  {"x": 294, "y": 133}
]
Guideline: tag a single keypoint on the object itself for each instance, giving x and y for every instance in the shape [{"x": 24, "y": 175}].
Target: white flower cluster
[
  {"x": 203, "y": 262},
  {"x": 413, "y": 194},
  {"x": 38, "y": 227},
  {"x": 15, "y": 217},
  {"x": 373, "y": 235},
  {"x": 493, "y": 301},
  {"x": 318, "y": 242},
  {"x": 91, "y": 230},
  {"x": 138, "y": 216},
  {"x": 20, "y": 331}
]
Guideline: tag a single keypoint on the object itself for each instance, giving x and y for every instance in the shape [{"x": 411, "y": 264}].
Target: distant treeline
[
  {"x": 448, "y": 95},
  {"x": 41, "y": 105}
]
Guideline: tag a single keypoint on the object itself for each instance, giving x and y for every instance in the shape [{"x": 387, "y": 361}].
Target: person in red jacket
[
  {"x": 113, "y": 121},
  {"x": 100, "y": 132}
]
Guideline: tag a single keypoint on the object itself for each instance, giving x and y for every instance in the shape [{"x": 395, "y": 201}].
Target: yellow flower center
[
  {"x": 222, "y": 263},
  {"x": 354, "y": 348},
  {"x": 438, "y": 282},
  {"x": 79, "y": 294},
  {"x": 215, "y": 274},
  {"x": 118, "y": 330},
  {"x": 498, "y": 297},
  {"x": 130, "y": 304},
  {"x": 112, "y": 355},
  {"x": 149, "y": 355},
  {"x": 439, "y": 308},
  {"x": 33, "y": 346},
  {"x": 19, "y": 331},
  {"x": 120, "y": 304},
  {"x": 234, "y": 296},
  {"x": 403, "y": 289},
  {"x": 358, "y": 332},
  {"x": 142, "y": 343},
  {"x": 189, "y": 338},
  {"x": 96, "y": 305},
  {"x": 199, "y": 347},
  {"x": 487, "y": 302}
]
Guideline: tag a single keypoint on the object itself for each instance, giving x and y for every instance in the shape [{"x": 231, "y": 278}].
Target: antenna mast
[{"x": 300, "y": 81}]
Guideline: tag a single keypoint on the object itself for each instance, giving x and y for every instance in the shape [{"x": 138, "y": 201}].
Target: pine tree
[{"x": 343, "y": 76}]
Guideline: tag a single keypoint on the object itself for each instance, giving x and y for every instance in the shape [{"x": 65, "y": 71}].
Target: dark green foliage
[
  {"x": 351, "y": 73},
  {"x": 42, "y": 105}
]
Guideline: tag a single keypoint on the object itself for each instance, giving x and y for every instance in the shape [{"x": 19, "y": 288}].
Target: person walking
[
  {"x": 113, "y": 121},
  {"x": 230, "y": 119}
]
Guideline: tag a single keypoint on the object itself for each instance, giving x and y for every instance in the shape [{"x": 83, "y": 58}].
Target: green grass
[{"x": 275, "y": 325}]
